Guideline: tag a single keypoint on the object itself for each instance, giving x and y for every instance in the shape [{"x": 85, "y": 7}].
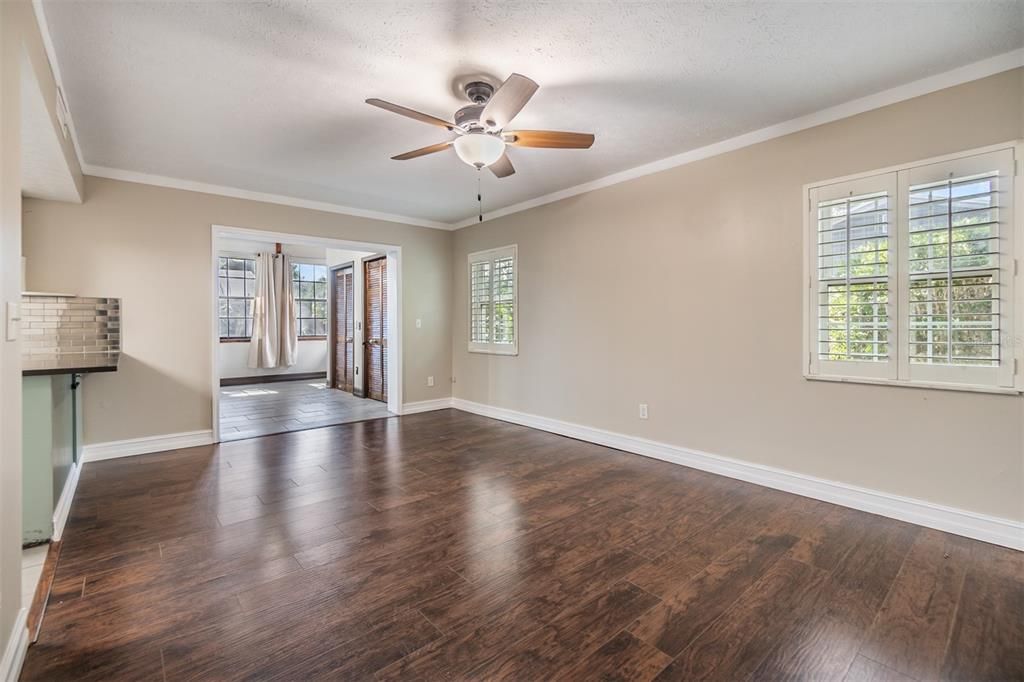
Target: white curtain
[
  {"x": 274, "y": 341},
  {"x": 264, "y": 344},
  {"x": 289, "y": 334}
]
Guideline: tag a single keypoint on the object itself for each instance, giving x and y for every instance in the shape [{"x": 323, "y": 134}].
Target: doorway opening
[{"x": 335, "y": 349}]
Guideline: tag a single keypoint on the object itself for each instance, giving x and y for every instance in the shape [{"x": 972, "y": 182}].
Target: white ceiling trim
[
  {"x": 964, "y": 74},
  {"x": 236, "y": 193}
]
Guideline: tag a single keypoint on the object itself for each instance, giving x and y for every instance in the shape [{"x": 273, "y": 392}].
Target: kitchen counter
[
  {"x": 64, "y": 338},
  {"x": 68, "y": 363}
]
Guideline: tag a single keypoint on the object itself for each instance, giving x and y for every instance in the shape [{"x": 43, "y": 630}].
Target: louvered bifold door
[
  {"x": 344, "y": 330},
  {"x": 376, "y": 332},
  {"x": 350, "y": 331},
  {"x": 852, "y": 278},
  {"x": 958, "y": 271}
]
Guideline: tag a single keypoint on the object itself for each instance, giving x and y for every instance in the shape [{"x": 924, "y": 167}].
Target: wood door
[
  {"x": 375, "y": 334},
  {"x": 343, "y": 330}
]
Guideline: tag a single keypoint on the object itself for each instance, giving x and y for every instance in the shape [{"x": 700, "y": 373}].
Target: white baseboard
[
  {"x": 427, "y": 406},
  {"x": 141, "y": 446},
  {"x": 60, "y": 513},
  {"x": 17, "y": 645},
  {"x": 992, "y": 529}
]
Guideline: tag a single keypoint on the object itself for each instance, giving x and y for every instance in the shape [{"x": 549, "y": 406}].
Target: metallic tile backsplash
[{"x": 70, "y": 324}]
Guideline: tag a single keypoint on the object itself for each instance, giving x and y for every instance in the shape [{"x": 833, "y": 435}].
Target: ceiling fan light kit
[
  {"x": 480, "y": 132},
  {"x": 479, "y": 149}
]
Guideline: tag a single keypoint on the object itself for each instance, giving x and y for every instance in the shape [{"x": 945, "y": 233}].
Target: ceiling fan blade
[
  {"x": 550, "y": 139},
  {"x": 422, "y": 151},
  {"x": 411, "y": 113},
  {"x": 508, "y": 100},
  {"x": 502, "y": 168}
]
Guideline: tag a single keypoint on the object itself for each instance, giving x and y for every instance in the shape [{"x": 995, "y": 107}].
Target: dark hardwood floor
[{"x": 446, "y": 546}]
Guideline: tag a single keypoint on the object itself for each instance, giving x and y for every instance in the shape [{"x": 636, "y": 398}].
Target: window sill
[
  {"x": 484, "y": 351},
  {"x": 970, "y": 388},
  {"x": 234, "y": 340}
]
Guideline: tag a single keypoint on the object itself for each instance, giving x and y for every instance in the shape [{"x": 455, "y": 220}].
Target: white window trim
[
  {"x": 251, "y": 255},
  {"x": 491, "y": 255},
  {"x": 1012, "y": 344}
]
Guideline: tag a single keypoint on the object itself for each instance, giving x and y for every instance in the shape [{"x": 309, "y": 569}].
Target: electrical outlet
[
  {"x": 643, "y": 410},
  {"x": 430, "y": 381}
]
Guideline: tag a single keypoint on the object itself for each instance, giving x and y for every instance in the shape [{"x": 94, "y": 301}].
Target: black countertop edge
[{"x": 77, "y": 363}]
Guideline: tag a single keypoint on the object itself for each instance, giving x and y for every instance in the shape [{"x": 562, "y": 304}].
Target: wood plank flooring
[
  {"x": 250, "y": 410},
  {"x": 447, "y": 546}
]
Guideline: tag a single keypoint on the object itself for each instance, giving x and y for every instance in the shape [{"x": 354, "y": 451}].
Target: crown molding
[
  {"x": 924, "y": 86},
  {"x": 237, "y": 193}
]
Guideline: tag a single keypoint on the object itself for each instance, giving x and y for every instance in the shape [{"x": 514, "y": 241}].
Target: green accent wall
[{"x": 48, "y": 450}]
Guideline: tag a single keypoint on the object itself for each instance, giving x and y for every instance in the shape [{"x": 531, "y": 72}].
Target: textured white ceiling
[{"x": 269, "y": 96}]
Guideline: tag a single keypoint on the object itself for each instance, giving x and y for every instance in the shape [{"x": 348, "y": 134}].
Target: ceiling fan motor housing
[
  {"x": 468, "y": 118},
  {"x": 479, "y": 92}
]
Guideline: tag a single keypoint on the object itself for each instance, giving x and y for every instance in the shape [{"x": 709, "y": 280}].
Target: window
[
  {"x": 236, "y": 286},
  {"x": 852, "y": 231},
  {"x": 493, "y": 302},
  {"x": 912, "y": 275},
  {"x": 309, "y": 284}
]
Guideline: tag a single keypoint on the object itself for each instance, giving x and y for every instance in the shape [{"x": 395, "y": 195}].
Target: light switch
[
  {"x": 419, "y": 323},
  {"x": 13, "y": 320}
]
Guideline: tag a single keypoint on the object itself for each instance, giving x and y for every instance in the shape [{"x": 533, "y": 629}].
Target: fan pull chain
[{"x": 479, "y": 199}]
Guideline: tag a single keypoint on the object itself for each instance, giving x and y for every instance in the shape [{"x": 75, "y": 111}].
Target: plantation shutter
[
  {"x": 958, "y": 271},
  {"x": 493, "y": 301},
  {"x": 852, "y": 278}
]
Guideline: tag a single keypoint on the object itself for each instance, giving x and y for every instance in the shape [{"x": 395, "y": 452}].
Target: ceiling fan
[{"x": 481, "y": 137}]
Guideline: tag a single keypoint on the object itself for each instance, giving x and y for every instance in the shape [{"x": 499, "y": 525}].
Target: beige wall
[
  {"x": 683, "y": 290},
  {"x": 10, "y": 352},
  {"x": 151, "y": 247},
  {"x": 21, "y": 44}
]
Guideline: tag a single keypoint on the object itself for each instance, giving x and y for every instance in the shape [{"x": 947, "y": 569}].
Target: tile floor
[
  {"x": 32, "y": 559},
  {"x": 253, "y": 410}
]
